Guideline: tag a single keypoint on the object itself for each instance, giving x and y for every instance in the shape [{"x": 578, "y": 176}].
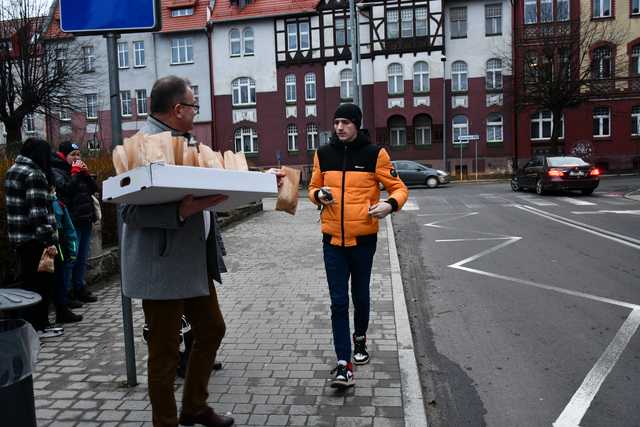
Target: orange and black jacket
[{"x": 353, "y": 171}]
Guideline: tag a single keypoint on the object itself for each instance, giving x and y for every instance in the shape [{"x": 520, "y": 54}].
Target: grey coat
[{"x": 163, "y": 258}]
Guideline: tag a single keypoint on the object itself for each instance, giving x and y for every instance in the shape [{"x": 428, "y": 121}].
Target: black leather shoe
[
  {"x": 64, "y": 315},
  {"x": 207, "y": 418},
  {"x": 85, "y": 295},
  {"x": 74, "y": 303}
]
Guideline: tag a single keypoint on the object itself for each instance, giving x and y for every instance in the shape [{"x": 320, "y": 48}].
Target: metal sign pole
[
  {"x": 460, "y": 142},
  {"x": 355, "y": 65},
  {"x": 116, "y": 139},
  {"x": 476, "y": 159}
]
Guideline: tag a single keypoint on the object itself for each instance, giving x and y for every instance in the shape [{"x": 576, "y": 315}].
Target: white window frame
[
  {"x": 310, "y": 87},
  {"x": 183, "y": 11},
  {"x": 459, "y": 76},
  {"x": 421, "y": 77},
  {"x": 304, "y": 34},
  {"x": 125, "y": 103},
  {"x": 141, "y": 102},
  {"x": 459, "y": 127},
  {"x": 493, "y": 19},
  {"x": 538, "y": 122},
  {"x": 290, "y": 88},
  {"x": 64, "y": 111},
  {"x": 495, "y": 128},
  {"x": 248, "y": 136},
  {"x": 93, "y": 144},
  {"x": 601, "y": 8},
  {"x": 342, "y": 31},
  {"x": 248, "y": 40},
  {"x": 139, "y": 57},
  {"x": 346, "y": 84},
  {"x": 91, "y": 106},
  {"x": 530, "y": 11},
  {"x": 181, "y": 51},
  {"x": 196, "y": 96},
  {"x": 602, "y": 56},
  {"x": 635, "y": 7},
  {"x": 292, "y": 137},
  {"x": 246, "y": 85},
  {"x": 493, "y": 78},
  {"x": 398, "y": 135},
  {"x": 423, "y": 133},
  {"x": 395, "y": 79},
  {"x": 602, "y": 119},
  {"x": 635, "y": 60},
  {"x": 406, "y": 23},
  {"x": 61, "y": 59},
  {"x": 635, "y": 120},
  {"x": 392, "y": 23},
  {"x": 235, "y": 42},
  {"x": 312, "y": 136},
  {"x": 123, "y": 55},
  {"x": 292, "y": 36},
  {"x": 458, "y": 20},
  {"x": 421, "y": 17},
  {"x": 563, "y": 12},
  {"x": 29, "y": 124},
  {"x": 546, "y": 10},
  {"x": 88, "y": 59}
]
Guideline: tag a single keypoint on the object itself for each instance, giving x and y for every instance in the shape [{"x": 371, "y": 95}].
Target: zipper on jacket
[{"x": 344, "y": 173}]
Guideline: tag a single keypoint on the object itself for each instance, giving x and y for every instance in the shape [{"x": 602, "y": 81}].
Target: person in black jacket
[{"x": 75, "y": 186}]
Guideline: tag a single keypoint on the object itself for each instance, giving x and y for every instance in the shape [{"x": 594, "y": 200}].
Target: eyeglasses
[{"x": 195, "y": 107}]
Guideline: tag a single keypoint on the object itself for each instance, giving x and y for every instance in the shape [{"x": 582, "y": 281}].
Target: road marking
[
  {"x": 577, "y": 202},
  {"x": 606, "y": 212},
  {"x": 619, "y": 238},
  {"x": 434, "y": 224},
  {"x": 537, "y": 201},
  {"x": 472, "y": 240},
  {"x": 411, "y": 205},
  {"x": 582, "y": 398}
]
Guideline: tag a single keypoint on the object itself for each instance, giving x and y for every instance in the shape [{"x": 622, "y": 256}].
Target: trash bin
[{"x": 19, "y": 346}]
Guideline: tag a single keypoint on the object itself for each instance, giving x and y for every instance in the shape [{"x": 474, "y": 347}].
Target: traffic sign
[
  {"x": 112, "y": 16},
  {"x": 468, "y": 137}
]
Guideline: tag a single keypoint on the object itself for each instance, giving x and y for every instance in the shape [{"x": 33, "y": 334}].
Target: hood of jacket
[{"x": 57, "y": 162}]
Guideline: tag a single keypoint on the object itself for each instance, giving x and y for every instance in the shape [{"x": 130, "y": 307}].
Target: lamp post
[
  {"x": 355, "y": 54},
  {"x": 443, "y": 58}
]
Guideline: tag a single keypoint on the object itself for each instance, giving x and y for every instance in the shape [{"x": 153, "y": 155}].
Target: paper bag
[
  {"x": 46, "y": 264},
  {"x": 179, "y": 144},
  {"x": 230, "y": 160},
  {"x": 241, "y": 161},
  {"x": 133, "y": 146},
  {"x": 288, "y": 192},
  {"x": 207, "y": 158},
  {"x": 120, "y": 162},
  {"x": 158, "y": 148}
]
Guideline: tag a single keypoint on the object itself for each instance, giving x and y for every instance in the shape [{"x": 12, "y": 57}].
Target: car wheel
[
  {"x": 540, "y": 187},
  {"x": 432, "y": 182},
  {"x": 587, "y": 191},
  {"x": 514, "y": 185}
]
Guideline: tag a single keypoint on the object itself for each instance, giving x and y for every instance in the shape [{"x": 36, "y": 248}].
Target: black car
[
  {"x": 556, "y": 173},
  {"x": 413, "y": 173}
]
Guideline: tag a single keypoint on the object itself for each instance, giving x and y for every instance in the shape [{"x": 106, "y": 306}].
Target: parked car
[
  {"x": 413, "y": 173},
  {"x": 556, "y": 173}
]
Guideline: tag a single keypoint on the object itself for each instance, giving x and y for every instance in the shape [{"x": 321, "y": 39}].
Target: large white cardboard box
[{"x": 161, "y": 183}]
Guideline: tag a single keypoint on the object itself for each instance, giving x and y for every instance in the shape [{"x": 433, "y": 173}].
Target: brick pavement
[{"x": 277, "y": 353}]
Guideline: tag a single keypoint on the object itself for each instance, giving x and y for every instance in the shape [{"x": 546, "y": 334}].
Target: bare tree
[
  {"x": 40, "y": 72},
  {"x": 560, "y": 65}
]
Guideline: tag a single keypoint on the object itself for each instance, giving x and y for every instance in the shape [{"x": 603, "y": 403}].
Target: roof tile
[{"x": 225, "y": 11}]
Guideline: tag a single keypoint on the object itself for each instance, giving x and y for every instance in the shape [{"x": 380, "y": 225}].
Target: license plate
[{"x": 576, "y": 173}]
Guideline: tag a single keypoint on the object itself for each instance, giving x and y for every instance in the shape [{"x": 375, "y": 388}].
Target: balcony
[{"x": 532, "y": 33}]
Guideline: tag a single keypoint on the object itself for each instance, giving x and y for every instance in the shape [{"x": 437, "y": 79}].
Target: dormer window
[{"x": 183, "y": 11}]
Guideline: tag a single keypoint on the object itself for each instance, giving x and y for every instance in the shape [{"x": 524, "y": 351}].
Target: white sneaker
[{"x": 50, "y": 333}]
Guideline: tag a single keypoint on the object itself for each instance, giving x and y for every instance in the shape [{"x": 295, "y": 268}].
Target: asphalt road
[{"x": 524, "y": 309}]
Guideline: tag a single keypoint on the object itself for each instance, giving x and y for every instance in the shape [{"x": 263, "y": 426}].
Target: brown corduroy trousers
[{"x": 208, "y": 329}]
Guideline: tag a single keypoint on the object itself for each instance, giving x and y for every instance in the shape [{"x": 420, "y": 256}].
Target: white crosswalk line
[
  {"x": 576, "y": 202},
  {"x": 537, "y": 201}
]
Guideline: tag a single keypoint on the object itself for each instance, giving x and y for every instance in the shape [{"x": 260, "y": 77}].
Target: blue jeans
[
  {"x": 340, "y": 264},
  {"x": 62, "y": 275},
  {"x": 80, "y": 265}
]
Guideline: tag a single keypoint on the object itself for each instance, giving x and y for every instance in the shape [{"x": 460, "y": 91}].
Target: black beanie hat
[
  {"x": 66, "y": 147},
  {"x": 350, "y": 112}
]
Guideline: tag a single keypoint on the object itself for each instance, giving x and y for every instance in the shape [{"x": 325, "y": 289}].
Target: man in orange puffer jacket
[{"x": 346, "y": 179}]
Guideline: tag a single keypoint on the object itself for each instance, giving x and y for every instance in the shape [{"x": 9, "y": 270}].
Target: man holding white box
[{"x": 169, "y": 260}]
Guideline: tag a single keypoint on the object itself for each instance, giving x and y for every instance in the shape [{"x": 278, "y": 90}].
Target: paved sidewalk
[{"x": 277, "y": 353}]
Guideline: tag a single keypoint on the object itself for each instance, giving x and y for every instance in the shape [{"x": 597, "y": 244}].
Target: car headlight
[{"x": 441, "y": 173}]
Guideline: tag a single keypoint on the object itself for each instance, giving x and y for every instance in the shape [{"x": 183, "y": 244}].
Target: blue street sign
[{"x": 111, "y": 16}]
